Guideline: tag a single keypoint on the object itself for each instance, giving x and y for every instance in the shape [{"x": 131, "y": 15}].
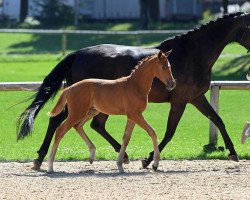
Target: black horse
[{"x": 194, "y": 54}]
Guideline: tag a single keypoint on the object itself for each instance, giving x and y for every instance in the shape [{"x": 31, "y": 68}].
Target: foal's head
[{"x": 163, "y": 71}]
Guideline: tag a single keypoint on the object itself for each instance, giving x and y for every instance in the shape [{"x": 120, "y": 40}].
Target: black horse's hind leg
[
  {"x": 206, "y": 109},
  {"x": 174, "y": 117},
  {"x": 54, "y": 122},
  {"x": 98, "y": 124}
]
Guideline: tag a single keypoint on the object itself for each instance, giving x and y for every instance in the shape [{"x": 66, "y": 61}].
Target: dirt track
[{"x": 205, "y": 179}]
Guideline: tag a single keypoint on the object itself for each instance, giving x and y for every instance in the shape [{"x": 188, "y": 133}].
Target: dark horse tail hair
[{"x": 48, "y": 89}]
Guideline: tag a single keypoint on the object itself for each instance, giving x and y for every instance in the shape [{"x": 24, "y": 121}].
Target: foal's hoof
[
  {"x": 154, "y": 167},
  {"x": 125, "y": 161},
  {"x": 144, "y": 163},
  {"x": 36, "y": 164},
  {"x": 233, "y": 158}
]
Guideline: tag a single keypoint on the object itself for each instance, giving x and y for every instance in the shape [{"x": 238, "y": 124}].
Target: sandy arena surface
[{"x": 199, "y": 179}]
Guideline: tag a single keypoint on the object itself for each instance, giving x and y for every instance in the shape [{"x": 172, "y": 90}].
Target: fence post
[
  {"x": 138, "y": 39},
  {"x": 214, "y": 101},
  {"x": 213, "y": 131},
  {"x": 64, "y": 43}
]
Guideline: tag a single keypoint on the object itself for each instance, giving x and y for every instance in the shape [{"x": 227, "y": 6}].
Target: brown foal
[{"x": 124, "y": 96}]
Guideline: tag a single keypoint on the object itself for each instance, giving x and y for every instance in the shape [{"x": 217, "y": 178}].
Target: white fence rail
[
  {"x": 64, "y": 33},
  {"x": 215, "y": 87}
]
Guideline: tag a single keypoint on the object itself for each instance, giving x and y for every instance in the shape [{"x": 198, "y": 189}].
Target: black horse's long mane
[{"x": 204, "y": 27}]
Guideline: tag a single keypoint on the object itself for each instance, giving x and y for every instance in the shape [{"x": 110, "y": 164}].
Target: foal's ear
[
  {"x": 160, "y": 54},
  {"x": 168, "y": 52}
]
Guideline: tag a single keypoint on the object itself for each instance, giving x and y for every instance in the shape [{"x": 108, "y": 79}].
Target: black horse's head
[{"x": 243, "y": 34}]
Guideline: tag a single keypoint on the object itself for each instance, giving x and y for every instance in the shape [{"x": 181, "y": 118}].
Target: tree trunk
[
  {"x": 23, "y": 9},
  {"x": 154, "y": 11},
  {"x": 144, "y": 14},
  {"x": 76, "y": 13},
  {"x": 225, "y": 5}
]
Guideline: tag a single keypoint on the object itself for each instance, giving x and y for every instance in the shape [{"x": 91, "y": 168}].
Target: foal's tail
[{"x": 60, "y": 104}]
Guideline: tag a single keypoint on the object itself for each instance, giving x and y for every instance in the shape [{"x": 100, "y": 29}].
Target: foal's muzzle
[{"x": 171, "y": 84}]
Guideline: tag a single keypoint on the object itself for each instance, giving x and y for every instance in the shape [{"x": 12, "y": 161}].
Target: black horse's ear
[
  {"x": 168, "y": 52},
  {"x": 160, "y": 54}
]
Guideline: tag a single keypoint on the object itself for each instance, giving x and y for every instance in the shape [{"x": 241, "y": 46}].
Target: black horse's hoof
[
  {"x": 221, "y": 148},
  {"x": 36, "y": 164},
  {"x": 233, "y": 158},
  {"x": 209, "y": 148},
  {"x": 154, "y": 167},
  {"x": 144, "y": 163}
]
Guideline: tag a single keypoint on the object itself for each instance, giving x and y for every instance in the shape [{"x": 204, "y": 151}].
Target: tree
[
  {"x": 54, "y": 12},
  {"x": 225, "y": 5},
  {"x": 154, "y": 10},
  {"x": 144, "y": 14},
  {"x": 76, "y": 9},
  {"x": 24, "y": 9},
  {"x": 149, "y": 10}
]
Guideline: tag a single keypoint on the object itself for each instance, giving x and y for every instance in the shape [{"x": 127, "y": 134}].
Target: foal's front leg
[
  {"x": 139, "y": 119},
  {"x": 126, "y": 138},
  {"x": 98, "y": 124}
]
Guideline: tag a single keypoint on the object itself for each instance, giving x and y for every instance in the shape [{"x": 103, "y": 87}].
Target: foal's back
[{"x": 106, "y": 96}]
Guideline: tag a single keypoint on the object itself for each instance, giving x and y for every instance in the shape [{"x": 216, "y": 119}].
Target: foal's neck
[{"x": 142, "y": 78}]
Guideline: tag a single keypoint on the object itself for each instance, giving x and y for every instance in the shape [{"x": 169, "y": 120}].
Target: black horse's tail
[{"x": 50, "y": 86}]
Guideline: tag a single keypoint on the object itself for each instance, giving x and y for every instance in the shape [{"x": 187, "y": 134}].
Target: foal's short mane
[
  {"x": 142, "y": 62},
  {"x": 206, "y": 26}
]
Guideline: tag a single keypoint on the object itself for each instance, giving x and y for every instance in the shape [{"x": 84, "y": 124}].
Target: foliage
[
  {"x": 207, "y": 16},
  {"x": 54, "y": 12}
]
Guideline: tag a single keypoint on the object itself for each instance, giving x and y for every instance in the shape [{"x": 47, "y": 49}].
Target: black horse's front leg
[
  {"x": 98, "y": 124},
  {"x": 206, "y": 109},
  {"x": 174, "y": 117},
  {"x": 54, "y": 122}
]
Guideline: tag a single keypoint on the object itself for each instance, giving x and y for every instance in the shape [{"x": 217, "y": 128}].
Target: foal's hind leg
[
  {"x": 79, "y": 129},
  {"x": 54, "y": 122},
  {"x": 60, "y": 132}
]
